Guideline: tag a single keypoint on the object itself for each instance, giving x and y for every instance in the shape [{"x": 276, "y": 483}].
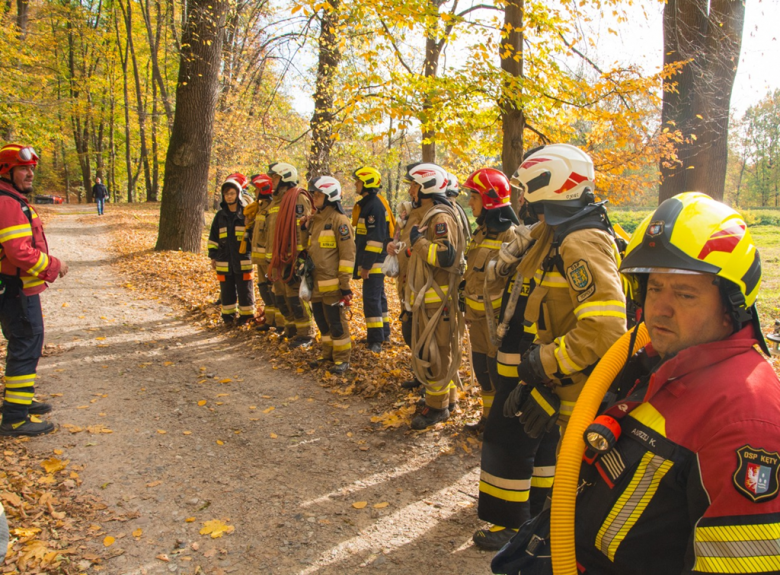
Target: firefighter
[
  {"x": 332, "y": 251},
  {"x": 234, "y": 269},
  {"x": 453, "y": 191},
  {"x": 434, "y": 272},
  {"x": 264, "y": 188},
  {"x": 371, "y": 237},
  {"x": 694, "y": 467},
  {"x": 285, "y": 241},
  {"x": 25, "y": 268},
  {"x": 489, "y": 203},
  {"x": 577, "y": 301}
]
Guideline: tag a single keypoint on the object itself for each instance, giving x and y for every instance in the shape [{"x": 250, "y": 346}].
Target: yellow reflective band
[
  {"x": 300, "y": 247},
  {"x": 545, "y": 482},
  {"x": 437, "y": 391},
  {"x": 504, "y": 483},
  {"x": 342, "y": 344},
  {"x": 229, "y": 308},
  {"x": 246, "y": 310},
  {"x": 543, "y": 403},
  {"x": 753, "y": 548},
  {"x": 374, "y": 322},
  {"x": 503, "y": 494},
  {"x": 507, "y": 370},
  {"x": 213, "y": 244},
  {"x": 328, "y": 285},
  {"x": 246, "y": 265},
  {"x": 490, "y": 244},
  {"x": 13, "y": 232},
  {"x": 18, "y": 397},
  {"x": 27, "y": 377},
  {"x": 268, "y": 256},
  {"x": 346, "y": 266},
  {"x": 40, "y": 265},
  {"x": 29, "y": 282},
  {"x": 479, "y": 306},
  {"x": 762, "y": 564},
  {"x": 432, "y": 254},
  {"x": 508, "y": 358},
  {"x": 611, "y": 308},
  {"x": 327, "y": 241},
  {"x": 487, "y": 399},
  {"x": 551, "y": 279},
  {"x": 566, "y": 364},
  {"x": 361, "y": 230},
  {"x": 632, "y": 503},
  {"x": 567, "y": 407},
  {"x": 377, "y": 269},
  {"x": 325, "y": 339},
  {"x": 649, "y": 416},
  {"x": 375, "y": 247},
  {"x": 530, "y": 328},
  {"x": 273, "y": 210}
]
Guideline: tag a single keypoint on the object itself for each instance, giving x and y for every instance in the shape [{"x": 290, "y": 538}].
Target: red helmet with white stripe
[
  {"x": 263, "y": 184},
  {"x": 492, "y": 186},
  {"x": 556, "y": 173}
]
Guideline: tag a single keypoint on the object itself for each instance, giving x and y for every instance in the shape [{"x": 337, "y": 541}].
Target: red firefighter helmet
[
  {"x": 13, "y": 155},
  {"x": 263, "y": 184},
  {"x": 237, "y": 180},
  {"x": 492, "y": 186}
]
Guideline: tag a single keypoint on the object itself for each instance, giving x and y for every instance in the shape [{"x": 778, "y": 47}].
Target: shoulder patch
[
  {"x": 756, "y": 474},
  {"x": 441, "y": 229},
  {"x": 579, "y": 274},
  {"x": 299, "y": 209},
  {"x": 344, "y": 230},
  {"x": 371, "y": 219}
]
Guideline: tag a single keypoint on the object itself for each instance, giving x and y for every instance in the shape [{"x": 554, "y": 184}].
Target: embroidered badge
[
  {"x": 344, "y": 230},
  {"x": 328, "y": 226},
  {"x": 371, "y": 219},
  {"x": 299, "y": 209},
  {"x": 441, "y": 229},
  {"x": 579, "y": 274},
  {"x": 655, "y": 229},
  {"x": 756, "y": 474}
]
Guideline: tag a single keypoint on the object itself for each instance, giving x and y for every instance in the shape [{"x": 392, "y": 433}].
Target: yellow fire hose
[{"x": 567, "y": 471}]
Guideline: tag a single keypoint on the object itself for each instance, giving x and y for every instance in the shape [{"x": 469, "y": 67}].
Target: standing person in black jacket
[
  {"x": 371, "y": 238},
  {"x": 99, "y": 193},
  {"x": 234, "y": 269}
]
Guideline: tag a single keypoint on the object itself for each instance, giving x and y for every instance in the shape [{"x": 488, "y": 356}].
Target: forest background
[{"x": 329, "y": 86}]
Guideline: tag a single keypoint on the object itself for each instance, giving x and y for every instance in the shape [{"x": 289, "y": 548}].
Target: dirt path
[{"x": 203, "y": 431}]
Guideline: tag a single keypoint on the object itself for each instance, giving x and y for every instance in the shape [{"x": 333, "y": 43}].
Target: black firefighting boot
[
  {"x": 319, "y": 362},
  {"x": 375, "y": 347},
  {"x": 302, "y": 341},
  {"x": 38, "y": 408},
  {"x": 340, "y": 367},
  {"x": 494, "y": 538},
  {"x": 26, "y": 427},
  {"x": 476, "y": 427},
  {"x": 430, "y": 416},
  {"x": 413, "y": 383}
]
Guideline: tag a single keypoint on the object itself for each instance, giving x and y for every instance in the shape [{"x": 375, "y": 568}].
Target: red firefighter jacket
[
  {"x": 691, "y": 485},
  {"x": 23, "y": 247}
]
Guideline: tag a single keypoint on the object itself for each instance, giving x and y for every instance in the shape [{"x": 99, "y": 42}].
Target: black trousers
[
  {"x": 375, "y": 309},
  {"x": 22, "y": 325},
  {"x": 237, "y": 296}
]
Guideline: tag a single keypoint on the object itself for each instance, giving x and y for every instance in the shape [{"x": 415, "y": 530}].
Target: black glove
[
  {"x": 531, "y": 370},
  {"x": 516, "y": 399},
  {"x": 414, "y": 235},
  {"x": 540, "y": 411}
]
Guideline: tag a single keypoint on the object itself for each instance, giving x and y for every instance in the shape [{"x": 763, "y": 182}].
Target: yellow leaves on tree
[{"x": 216, "y": 528}]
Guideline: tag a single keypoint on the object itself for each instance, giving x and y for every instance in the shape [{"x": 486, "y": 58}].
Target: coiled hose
[
  {"x": 567, "y": 470},
  {"x": 286, "y": 237}
]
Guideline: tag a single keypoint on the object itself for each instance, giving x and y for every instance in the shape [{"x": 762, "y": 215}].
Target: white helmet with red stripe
[
  {"x": 431, "y": 178},
  {"x": 556, "y": 173},
  {"x": 326, "y": 185}
]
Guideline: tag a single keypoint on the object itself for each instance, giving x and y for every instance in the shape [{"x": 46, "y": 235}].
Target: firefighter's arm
[
  {"x": 302, "y": 212},
  {"x": 16, "y": 243},
  {"x": 345, "y": 240},
  {"x": 439, "y": 252},
  {"x": 213, "y": 241},
  {"x": 590, "y": 274},
  {"x": 740, "y": 528},
  {"x": 376, "y": 234}
]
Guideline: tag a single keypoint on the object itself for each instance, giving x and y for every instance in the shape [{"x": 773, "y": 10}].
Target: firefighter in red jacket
[
  {"x": 686, "y": 478},
  {"x": 25, "y": 267}
]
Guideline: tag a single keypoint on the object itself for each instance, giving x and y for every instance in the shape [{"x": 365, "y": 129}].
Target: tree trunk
[
  {"x": 430, "y": 67},
  {"x": 154, "y": 46},
  {"x": 708, "y": 36},
  {"x": 152, "y": 196},
  {"x": 187, "y": 162},
  {"x": 123, "y": 58},
  {"x": 22, "y": 17},
  {"x": 512, "y": 118},
  {"x": 322, "y": 118}
]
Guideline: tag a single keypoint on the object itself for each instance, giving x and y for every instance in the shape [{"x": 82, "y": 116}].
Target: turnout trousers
[
  {"x": 375, "y": 307},
  {"x": 238, "y": 295},
  {"x": 296, "y": 313},
  {"x": 483, "y": 362},
  {"x": 265, "y": 287},
  {"x": 334, "y": 329},
  {"x": 22, "y": 324}
]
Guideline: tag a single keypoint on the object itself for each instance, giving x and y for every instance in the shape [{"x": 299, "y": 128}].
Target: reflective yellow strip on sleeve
[
  {"x": 753, "y": 548},
  {"x": 490, "y": 244},
  {"x": 632, "y": 503},
  {"x": 610, "y": 308},
  {"x": 40, "y": 265},
  {"x": 567, "y": 407},
  {"x": 31, "y": 281},
  {"x": 13, "y": 232},
  {"x": 432, "y": 254},
  {"x": 375, "y": 247},
  {"x": 376, "y": 269},
  {"x": 212, "y": 244},
  {"x": 479, "y": 306},
  {"x": 346, "y": 266},
  {"x": 551, "y": 279},
  {"x": 222, "y": 233},
  {"x": 566, "y": 364},
  {"x": 328, "y": 285}
]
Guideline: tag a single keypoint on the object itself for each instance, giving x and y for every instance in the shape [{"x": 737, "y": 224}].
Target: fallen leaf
[
  {"x": 220, "y": 442},
  {"x": 189, "y": 520},
  {"x": 162, "y": 557},
  {"x": 202, "y": 402},
  {"x": 269, "y": 410},
  {"x": 25, "y": 532},
  {"x": 66, "y": 304},
  {"x": 186, "y": 433},
  {"x": 154, "y": 483},
  {"x": 161, "y": 431},
  {"x": 274, "y": 436},
  {"x": 381, "y": 505},
  {"x": 138, "y": 532},
  {"x": 226, "y": 380},
  {"x": 53, "y": 465},
  {"x": 216, "y": 528},
  {"x": 167, "y": 363},
  {"x": 108, "y": 541},
  {"x": 100, "y": 338},
  {"x": 359, "y": 504}
]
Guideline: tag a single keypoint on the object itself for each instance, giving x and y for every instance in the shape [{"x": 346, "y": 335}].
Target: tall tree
[
  {"x": 512, "y": 118},
  {"x": 189, "y": 150},
  {"x": 707, "y": 36}
]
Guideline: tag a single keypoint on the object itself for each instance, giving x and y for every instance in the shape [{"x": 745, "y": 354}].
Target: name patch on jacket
[
  {"x": 756, "y": 474},
  {"x": 299, "y": 209},
  {"x": 441, "y": 229},
  {"x": 344, "y": 231}
]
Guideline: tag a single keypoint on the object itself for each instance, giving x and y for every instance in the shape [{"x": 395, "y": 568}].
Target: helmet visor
[{"x": 27, "y": 154}]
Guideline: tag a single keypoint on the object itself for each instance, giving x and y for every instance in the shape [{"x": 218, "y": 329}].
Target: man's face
[
  {"x": 475, "y": 203},
  {"x": 414, "y": 191},
  {"x": 275, "y": 179},
  {"x": 319, "y": 199},
  {"x": 683, "y": 310},
  {"x": 358, "y": 187},
  {"x": 230, "y": 194},
  {"x": 22, "y": 177}
]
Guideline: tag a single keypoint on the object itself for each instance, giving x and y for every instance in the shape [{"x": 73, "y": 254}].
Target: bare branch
[{"x": 395, "y": 47}]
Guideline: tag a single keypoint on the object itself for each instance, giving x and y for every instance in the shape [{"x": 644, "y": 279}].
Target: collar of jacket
[
  {"x": 7, "y": 186},
  {"x": 699, "y": 357},
  {"x": 372, "y": 192}
]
